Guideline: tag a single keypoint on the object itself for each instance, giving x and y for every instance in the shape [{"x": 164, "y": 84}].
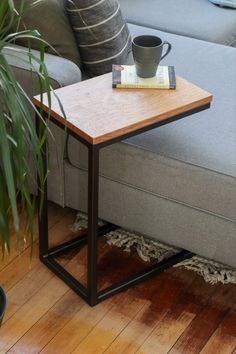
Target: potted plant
[
  {"x": 18, "y": 135},
  {"x": 3, "y": 303}
]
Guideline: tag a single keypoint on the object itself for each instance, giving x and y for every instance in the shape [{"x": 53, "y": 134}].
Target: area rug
[{"x": 148, "y": 250}]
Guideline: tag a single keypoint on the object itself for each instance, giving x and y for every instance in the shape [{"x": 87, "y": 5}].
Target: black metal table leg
[
  {"x": 93, "y": 186},
  {"x": 42, "y": 189}
]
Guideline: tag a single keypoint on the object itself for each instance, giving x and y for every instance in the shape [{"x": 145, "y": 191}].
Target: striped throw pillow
[{"x": 102, "y": 35}]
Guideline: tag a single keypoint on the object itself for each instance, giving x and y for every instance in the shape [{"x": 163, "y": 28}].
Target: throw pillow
[
  {"x": 225, "y": 3},
  {"x": 50, "y": 19},
  {"x": 102, "y": 35}
]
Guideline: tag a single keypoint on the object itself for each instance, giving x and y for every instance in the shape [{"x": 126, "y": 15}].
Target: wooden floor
[{"x": 174, "y": 312}]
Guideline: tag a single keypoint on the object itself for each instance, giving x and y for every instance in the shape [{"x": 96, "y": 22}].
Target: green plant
[{"x": 18, "y": 133}]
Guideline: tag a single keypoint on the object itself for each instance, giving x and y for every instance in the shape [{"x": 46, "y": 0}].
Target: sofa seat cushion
[
  {"x": 191, "y": 161},
  {"x": 194, "y": 18}
]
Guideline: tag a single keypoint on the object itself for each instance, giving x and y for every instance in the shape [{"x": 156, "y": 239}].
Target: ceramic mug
[{"x": 147, "y": 53}]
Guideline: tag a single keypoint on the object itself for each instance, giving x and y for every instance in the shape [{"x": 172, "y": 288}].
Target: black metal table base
[
  {"x": 91, "y": 293},
  {"x": 80, "y": 289}
]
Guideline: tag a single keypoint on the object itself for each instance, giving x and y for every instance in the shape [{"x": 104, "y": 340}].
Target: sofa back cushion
[
  {"x": 192, "y": 18},
  {"x": 102, "y": 35},
  {"x": 50, "y": 19}
]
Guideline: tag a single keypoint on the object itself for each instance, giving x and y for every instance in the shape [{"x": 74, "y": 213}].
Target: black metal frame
[{"x": 91, "y": 294}]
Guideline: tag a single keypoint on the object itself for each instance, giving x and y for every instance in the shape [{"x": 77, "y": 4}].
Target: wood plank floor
[{"x": 174, "y": 312}]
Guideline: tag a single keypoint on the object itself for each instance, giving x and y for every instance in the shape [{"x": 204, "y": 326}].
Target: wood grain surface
[
  {"x": 97, "y": 113},
  {"x": 173, "y": 312}
]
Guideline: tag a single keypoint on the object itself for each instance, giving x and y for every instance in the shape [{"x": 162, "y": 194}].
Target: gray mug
[{"x": 147, "y": 52}]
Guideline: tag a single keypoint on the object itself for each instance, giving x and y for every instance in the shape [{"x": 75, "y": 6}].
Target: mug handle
[{"x": 168, "y": 49}]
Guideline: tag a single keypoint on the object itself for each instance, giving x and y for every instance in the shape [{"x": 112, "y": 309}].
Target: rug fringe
[
  {"x": 211, "y": 271},
  {"x": 81, "y": 222},
  {"x": 148, "y": 250}
]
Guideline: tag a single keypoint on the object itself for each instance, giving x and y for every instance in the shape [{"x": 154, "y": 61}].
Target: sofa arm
[{"x": 62, "y": 72}]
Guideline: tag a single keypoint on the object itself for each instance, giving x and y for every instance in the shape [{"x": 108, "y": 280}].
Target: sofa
[{"x": 177, "y": 183}]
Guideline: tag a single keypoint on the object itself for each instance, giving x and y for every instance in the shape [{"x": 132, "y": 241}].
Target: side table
[{"x": 98, "y": 116}]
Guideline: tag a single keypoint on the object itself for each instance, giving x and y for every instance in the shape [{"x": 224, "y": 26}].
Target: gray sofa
[{"x": 177, "y": 183}]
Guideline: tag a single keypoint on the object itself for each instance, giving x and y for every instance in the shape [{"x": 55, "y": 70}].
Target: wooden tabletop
[{"x": 97, "y": 112}]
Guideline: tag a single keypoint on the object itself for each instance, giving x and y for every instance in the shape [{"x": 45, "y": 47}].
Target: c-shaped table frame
[{"x": 91, "y": 294}]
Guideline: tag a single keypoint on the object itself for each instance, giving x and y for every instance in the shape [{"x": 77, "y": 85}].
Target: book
[{"x": 124, "y": 76}]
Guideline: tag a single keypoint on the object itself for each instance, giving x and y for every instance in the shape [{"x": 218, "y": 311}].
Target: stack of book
[{"x": 124, "y": 76}]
